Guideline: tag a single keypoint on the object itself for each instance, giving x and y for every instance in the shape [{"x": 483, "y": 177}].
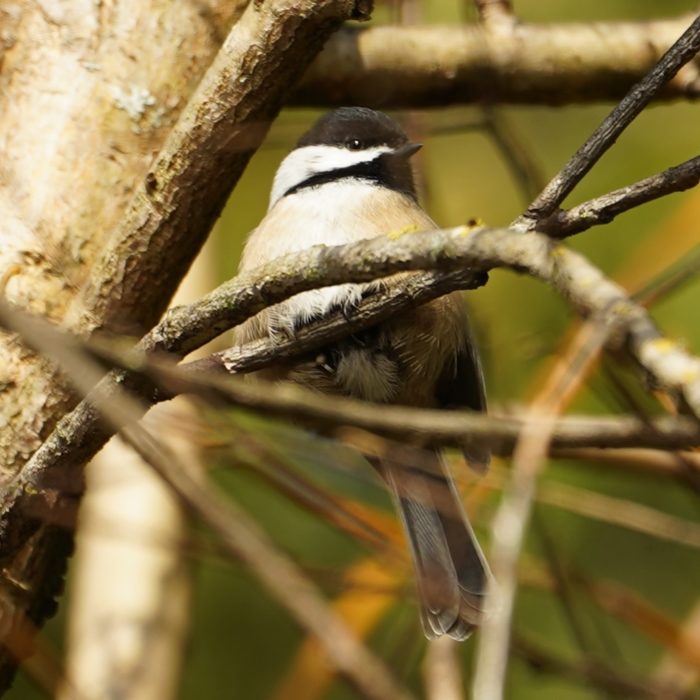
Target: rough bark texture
[
  {"x": 90, "y": 91},
  {"x": 186, "y": 187}
]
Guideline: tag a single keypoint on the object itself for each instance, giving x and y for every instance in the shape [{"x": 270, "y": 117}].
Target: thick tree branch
[
  {"x": 414, "y": 67},
  {"x": 89, "y": 91},
  {"x": 166, "y": 223},
  {"x": 222, "y": 126}
]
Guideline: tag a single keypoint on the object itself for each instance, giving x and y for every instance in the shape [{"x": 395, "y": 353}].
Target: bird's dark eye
[{"x": 354, "y": 144}]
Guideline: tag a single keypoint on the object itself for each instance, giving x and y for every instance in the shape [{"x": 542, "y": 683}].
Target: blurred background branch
[
  {"x": 415, "y": 67},
  {"x": 91, "y": 94},
  {"x": 239, "y": 536}
]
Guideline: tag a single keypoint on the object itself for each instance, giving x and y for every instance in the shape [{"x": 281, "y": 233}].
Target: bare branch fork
[
  {"x": 682, "y": 51},
  {"x": 604, "y": 209}
]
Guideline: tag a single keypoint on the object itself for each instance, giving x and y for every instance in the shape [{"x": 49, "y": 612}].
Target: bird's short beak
[{"x": 407, "y": 150}]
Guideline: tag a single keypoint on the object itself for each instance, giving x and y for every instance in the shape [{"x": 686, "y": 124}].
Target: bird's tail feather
[{"x": 451, "y": 571}]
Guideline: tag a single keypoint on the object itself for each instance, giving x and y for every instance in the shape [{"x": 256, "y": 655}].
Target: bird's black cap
[
  {"x": 356, "y": 128},
  {"x": 359, "y": 129}
]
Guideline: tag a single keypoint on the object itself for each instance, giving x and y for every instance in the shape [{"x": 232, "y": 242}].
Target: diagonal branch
[
  {"x": 604, "y": 209},
  {"x": 612, "y": 126},
  {"x": 190, "y": 180}
]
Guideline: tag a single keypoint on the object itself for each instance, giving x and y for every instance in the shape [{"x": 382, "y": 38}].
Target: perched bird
[{"x": 349, "y": 179}]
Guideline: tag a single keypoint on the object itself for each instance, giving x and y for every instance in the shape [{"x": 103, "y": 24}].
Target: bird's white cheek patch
[{"x": 303, "y": 163}]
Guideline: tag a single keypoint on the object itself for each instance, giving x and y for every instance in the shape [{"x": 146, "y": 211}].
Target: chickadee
[{"x": 349, "y": 179}]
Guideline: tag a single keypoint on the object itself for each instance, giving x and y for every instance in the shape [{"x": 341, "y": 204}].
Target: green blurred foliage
[{"x": 242, "y": 642}]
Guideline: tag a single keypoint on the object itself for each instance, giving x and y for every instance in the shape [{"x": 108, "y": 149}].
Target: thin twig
[
  {"x": 602, "y": 210},
  {"x": 635, "y": 610},
  {"x": 564, "y": 590},
  {"x": 343, "y": 514},
  {"x": 427, "y": 428},
  {"x": 637, "y": 461},
  {"x": 623, "y": 513},
  {"x": 671, "y": 279},
  {"x": 626, "y": 605},
  {"x": 612, "y": 126},
  {"x": 606, "y": 509},
  {"x": 422, "y": 427},
  {"x": 511, "y": 519}
]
